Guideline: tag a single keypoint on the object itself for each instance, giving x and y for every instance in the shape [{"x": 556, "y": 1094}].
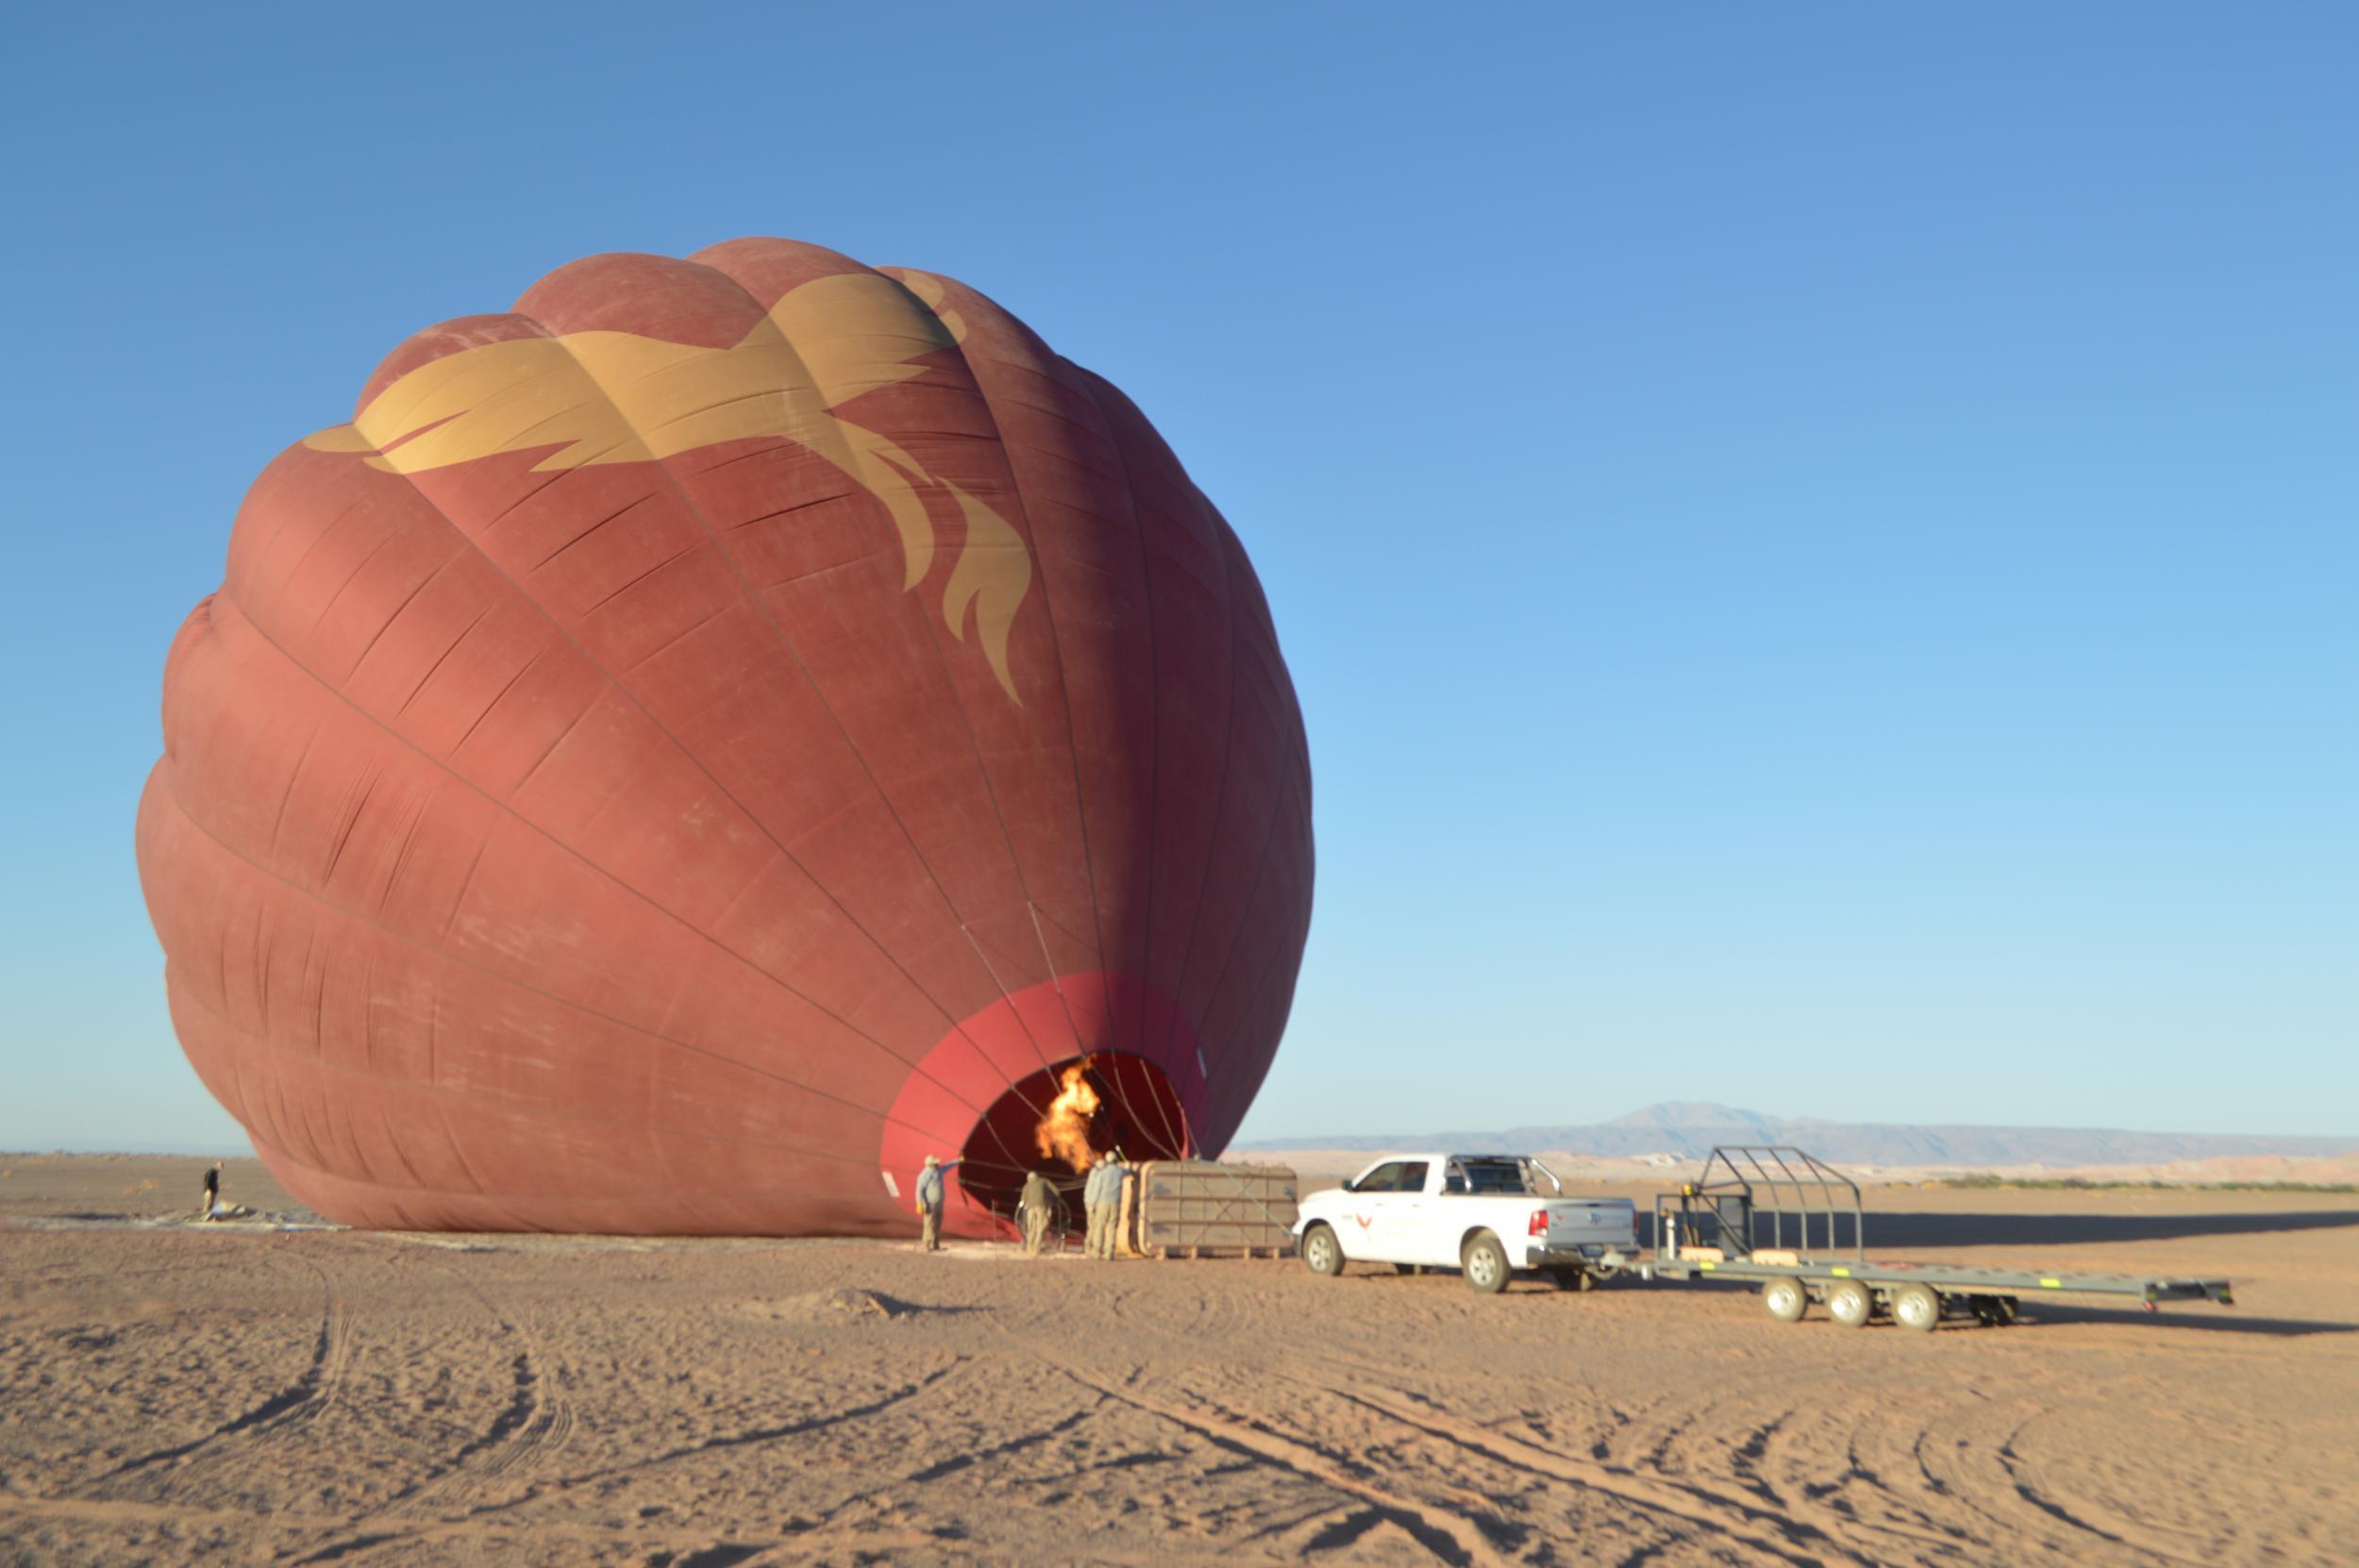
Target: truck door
[
  {"x": 1403, "y": 1218},
  {"x": 1367, "y": 1226}
]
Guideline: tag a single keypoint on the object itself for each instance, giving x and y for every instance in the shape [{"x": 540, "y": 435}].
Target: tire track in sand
[
  {"x": 1989, "y": 1474},
  {"x": 1770, "y": 1531},
  {"x": 1759, "y": 1448},
  {"x": 310, "y": 1396},
  {"x": 1462, "y": 1540},
  {"x": 533, "y": 1425},
  {"x": 530, "y": 1430},
  {"x": 385, "y": 1529}
]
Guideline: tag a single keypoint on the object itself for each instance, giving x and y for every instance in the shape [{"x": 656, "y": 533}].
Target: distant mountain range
[{"x": 1689, "y": 1129}]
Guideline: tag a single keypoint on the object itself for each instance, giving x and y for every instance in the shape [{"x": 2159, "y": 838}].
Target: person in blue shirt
[
  {"x": 1103, "y": 1195},
  {"x": 929, "y": 1197}
]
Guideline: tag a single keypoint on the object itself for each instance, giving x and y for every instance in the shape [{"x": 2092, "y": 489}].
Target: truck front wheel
[
  {"x": 1322, "y": 1251},
  {"x": 1485, "y": 1262}
]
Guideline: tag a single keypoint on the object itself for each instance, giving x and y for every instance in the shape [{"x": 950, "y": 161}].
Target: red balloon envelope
[{"x": 700, "y": 743}]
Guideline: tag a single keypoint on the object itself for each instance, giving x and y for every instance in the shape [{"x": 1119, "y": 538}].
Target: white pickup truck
[{"x": 1482, "y": 1213}]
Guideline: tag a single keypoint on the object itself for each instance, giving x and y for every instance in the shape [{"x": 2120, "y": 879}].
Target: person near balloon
[
  {"x": 1118, "y": 1172},
  {"x": 213, "y": 1193},
  {"x": 1034, "y": 1208},
  {"x": 929, "y": 1197},
  {"x": 1102, "y": 1196},
  {"x": 1091, "y": 1185}
]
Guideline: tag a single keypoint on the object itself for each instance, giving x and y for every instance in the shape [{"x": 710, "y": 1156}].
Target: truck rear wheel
[
  {"x": 1917, "y": 1307},
  {"x": 1322, "y": 1252},
  {"x": 1849, "y": 1303},
  {"x": 1485, "y": 1262},
  {"x": 1785, "y": 1300}
]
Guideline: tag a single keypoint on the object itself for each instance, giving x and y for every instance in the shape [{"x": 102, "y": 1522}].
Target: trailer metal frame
[{"x": 1712, "y": 1228}]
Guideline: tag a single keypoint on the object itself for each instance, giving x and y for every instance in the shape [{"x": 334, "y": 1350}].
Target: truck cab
[{"x": 1490, "y": 1215}]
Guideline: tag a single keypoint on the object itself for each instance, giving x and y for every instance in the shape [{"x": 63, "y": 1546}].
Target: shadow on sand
[
  {"x": 2195, "y": 1319},
  {"x": 1969, "y": 1230}
]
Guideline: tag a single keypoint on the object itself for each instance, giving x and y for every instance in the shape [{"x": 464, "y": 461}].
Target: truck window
[
  {"x": 1495, "y": 1178},
  {"x": 1412, "y": 1177},
  {"x": 1385, "y": 1179}
]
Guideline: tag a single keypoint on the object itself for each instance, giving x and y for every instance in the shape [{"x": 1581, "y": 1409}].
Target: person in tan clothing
[{"x": 1034, "y": 1208}]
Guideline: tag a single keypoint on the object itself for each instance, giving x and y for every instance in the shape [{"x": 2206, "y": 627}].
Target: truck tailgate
[{"x": 1607, "y": 1222}]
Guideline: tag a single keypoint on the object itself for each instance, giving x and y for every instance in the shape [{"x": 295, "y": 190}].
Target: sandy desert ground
[{"x": 183, "y": 1393}]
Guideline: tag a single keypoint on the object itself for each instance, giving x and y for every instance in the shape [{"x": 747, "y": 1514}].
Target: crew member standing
[
  {"x": 930, "y": 1203},
  {"x": 1102, "y": 1191},
  {"x": 1091, "y": 1185},
  {"x": 1034, "y": 1206},
  {"x": 1109, "y": 1233}
]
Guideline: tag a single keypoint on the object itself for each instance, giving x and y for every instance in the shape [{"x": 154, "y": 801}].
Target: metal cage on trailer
[{"x": 1712, "y": 1227}]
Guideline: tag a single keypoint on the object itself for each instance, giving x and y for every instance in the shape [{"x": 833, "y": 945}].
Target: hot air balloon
[{"x": 700, "y": 741}]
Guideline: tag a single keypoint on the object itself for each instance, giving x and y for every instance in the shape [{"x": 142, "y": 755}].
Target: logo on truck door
[{"x": 1364, "y": 1220}]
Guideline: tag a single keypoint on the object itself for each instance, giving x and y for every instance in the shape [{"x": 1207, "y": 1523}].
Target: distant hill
[{"x": 1690, "y": 1128}]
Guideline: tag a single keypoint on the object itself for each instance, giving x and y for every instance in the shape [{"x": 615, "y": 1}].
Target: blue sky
[{"x": 1817, "y": 545}]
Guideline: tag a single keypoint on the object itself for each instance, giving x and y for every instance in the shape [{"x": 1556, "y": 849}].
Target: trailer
[
  {"x": 1203, "y": 1208},
  {"x": 1776, "y": 1216}
]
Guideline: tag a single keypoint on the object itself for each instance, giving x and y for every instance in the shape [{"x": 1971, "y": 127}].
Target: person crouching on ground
[
  {"x": 930, "y": 1203},
  {"x": 1034, "y": 1206},
  {"x": 213, "y": 1193}
]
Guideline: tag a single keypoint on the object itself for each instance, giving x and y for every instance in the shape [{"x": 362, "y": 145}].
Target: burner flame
[{"x": 1063, "y": 1133}]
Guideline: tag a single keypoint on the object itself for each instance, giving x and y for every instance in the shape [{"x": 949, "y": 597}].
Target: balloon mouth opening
[{"x": 1059, "y": 1120}]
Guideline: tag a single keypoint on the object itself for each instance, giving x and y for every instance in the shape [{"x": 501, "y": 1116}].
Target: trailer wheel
[
  {"x": 1849, "y": 1303},
  {"x": 1917, "y": 1307},
  {"x": 1322, "y": 1252},
  {"x": 1785, "y": 1300},
  {"x": 1574, "y": 1279},
  {"x": 1485, "y": 1262}
]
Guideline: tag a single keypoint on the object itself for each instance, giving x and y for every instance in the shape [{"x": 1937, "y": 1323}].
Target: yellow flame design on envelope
[{"x": 617, "y": 397}]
